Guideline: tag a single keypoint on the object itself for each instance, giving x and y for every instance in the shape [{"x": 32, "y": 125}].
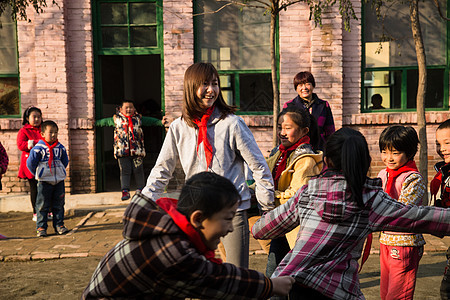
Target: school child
[
  {"x": 47, "y": 162},
  {"x": 293, "y": 164},
  {"x": 337, "y": 210},
  {"x": 168, "y": 250},
  {"x": 4, "y": 160},
  {"x": 28, "y": 136},
  {"x": 440, "y": 190},
  {"x": 400, "y": 253},
  {"x": 210, "y": 137},
  {"x": 129, "y": 144}
]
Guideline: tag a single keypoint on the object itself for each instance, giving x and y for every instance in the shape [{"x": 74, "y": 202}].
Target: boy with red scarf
[
  {"x": 440, "y": 189},
  {"x": 400, "y": 253},
  {"x": 168, "y": 249},
  {"x": 47, "y": 162}
]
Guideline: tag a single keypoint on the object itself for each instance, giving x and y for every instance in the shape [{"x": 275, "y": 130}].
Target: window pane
[
  {"x": 142, "y": 13},
  {"x": 240, "y": 38},
  {"x": 113, "y": 13},
  {"x": 227, "y": 87},
  {"x": 385, "y": 83},
  {"x": 399, "y": 49},
  {"x": 435, "y": 92},
  {"x": 256, "y": 92},
  {"x": 8, "y": 44},
  {"x": 9, "y": 96},
  {"x": 114, "y": 37},
  {"x": 143, "y": 36}
]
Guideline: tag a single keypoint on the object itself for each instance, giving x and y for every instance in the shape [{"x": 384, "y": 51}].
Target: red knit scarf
[
  {"x": 130, "y": 125},
  {"x": 392, "y": 174},
  {"x": 50, "y": 148},
  {"x": 285, "y": 154},
  {"x": 169, "y": 205},
  {"x": 203, "y": 136}
]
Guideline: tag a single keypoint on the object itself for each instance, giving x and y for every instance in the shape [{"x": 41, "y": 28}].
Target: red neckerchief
[
  {"x": 130, "y": 124},
  {"x": 50, "y": 148},
  {"x": 203, "y": 136},
  {"x": 285, "y": 154},
  {"x": 169, "y": 205},
  {"x": 392, "y": 174},
  {"x": 436, "y": 184}
]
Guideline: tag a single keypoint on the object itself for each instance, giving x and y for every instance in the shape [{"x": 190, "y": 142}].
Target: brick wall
[{"x": 56, "y": 75}]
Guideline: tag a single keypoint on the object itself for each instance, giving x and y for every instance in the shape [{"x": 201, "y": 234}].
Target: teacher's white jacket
[{"x": 233, "y": 144}]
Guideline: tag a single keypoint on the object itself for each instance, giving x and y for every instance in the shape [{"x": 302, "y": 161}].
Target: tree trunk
[
  {"x": 421, "y": 89},
  {"x": 273, "y": 64}
]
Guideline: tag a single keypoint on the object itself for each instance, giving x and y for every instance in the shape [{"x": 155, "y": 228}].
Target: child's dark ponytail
[{"x": 347, "y": 152}]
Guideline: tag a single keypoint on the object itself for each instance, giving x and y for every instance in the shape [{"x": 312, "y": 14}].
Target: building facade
[{"x": 77, "y": 62}]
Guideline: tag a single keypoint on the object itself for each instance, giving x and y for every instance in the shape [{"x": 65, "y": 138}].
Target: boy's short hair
[
  {"x": 207, "y": 192},
  {"x": 126, "y": 101},
  {"x": 48, "y": 123},
  {"x": 401, "y": 138},
  {"x": 444, "y": 125}
]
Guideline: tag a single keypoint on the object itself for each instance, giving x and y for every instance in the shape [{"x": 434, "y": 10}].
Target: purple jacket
[{"x": 333, "y": 231}]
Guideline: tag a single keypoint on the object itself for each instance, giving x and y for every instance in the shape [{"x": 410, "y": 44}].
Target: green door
[{"x": 128, "y": 64}]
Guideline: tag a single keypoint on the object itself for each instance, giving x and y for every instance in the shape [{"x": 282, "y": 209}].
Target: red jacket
[{"x": 27, "y": 132}]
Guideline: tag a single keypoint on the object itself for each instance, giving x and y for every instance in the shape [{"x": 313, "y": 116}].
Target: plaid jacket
[
  {"x": 156, "y": 260},
  {"x": 334, "y": 228}
]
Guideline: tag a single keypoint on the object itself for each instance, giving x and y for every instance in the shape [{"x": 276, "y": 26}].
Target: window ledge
[
  {"x": 257, "y": 120},
  {"x": 388, "y": 118},
  {"x": 10, "y": 124}
]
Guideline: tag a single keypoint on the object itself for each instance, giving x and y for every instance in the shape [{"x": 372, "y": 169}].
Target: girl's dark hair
[
  {"x": 193, "y": 107},
  {"x": 27, "y": 112},
  {"x": 348, "y": 152},
  {"x": 303, "y": 119},
  {"x": 207, "y": 192},
  {"x": 302, "y": 78},
  {"x": 401, "y": 138}
]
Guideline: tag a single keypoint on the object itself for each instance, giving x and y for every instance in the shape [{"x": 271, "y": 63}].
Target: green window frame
[
  {"x": 234, "y": 75},
  {"x": 399, "y": 81},
  {"x": 9, "y": 67},
  {"x": 120, "y": 28}
]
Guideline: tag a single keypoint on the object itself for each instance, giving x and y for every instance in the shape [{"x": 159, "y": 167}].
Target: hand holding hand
[
  {"x": 30, "y": 144},
  {"x": 282, "y": 285}
]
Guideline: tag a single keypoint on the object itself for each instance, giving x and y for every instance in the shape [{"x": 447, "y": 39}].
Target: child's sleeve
[
  {"x": 149, "y": 121},
  {"x": 22, "y": 141},
  {"x": 105, "y": 122},
  {"x": 34, "y": 159},
  {"x": 4, "y": 160},
  {"x": 413, "y": 190},
  {"x": 281, "y": 220},
  {"x": 391, "y": 215},
  {"x": 64, "y": 157}
]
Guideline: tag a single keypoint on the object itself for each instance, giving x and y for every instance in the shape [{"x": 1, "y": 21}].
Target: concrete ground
[{"x": 97, "y": 228}]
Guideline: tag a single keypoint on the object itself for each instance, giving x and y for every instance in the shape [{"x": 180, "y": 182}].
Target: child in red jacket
[{"x": 27, "y": 137}]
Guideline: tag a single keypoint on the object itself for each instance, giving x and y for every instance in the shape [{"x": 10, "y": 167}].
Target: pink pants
[{"x": 398, "y": 266}]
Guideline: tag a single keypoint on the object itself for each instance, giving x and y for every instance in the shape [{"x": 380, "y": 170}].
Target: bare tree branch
[
  {"x": 436, "y": 2},
  {"x": 228, "y": 4},
  {"x": 285, "y": 5}
]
